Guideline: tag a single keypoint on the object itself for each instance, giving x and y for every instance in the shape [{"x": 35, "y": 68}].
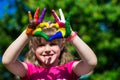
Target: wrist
[
  {"x": 28, "y": 36},
  {"x": 72, "y": 36}
]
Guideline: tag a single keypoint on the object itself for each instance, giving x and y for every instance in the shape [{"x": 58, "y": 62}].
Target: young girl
[{"x": 50, "y": 59}]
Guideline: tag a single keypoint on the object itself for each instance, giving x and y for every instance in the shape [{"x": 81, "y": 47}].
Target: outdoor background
[{"x": 96, "y": 21}]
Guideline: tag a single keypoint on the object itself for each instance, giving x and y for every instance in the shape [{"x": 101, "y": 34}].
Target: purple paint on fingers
[{"x": 42, "y": 16}]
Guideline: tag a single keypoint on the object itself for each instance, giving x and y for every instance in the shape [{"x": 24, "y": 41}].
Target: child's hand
[
  {"x": 33, "y": 27},
  {"x": 32, "y": 22},
  {"x": 64, "y": 30}
]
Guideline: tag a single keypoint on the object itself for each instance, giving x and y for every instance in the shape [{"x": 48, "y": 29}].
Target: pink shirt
[{"x": 63, "y": 72}]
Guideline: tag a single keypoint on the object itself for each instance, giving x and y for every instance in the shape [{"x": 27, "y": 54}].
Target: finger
[
  {"x": 55, "y": 36},
  {"x": 29, "y": 16},
  {"x": 68, "y": 26},
  {"x": 36, "y": 15},
  {"x": 43, "y": 25},
  {"x": 42, "y": 16},
  {"x": 55, "y": 16},
  {"x": 62, "y": 15},
  {"x": 31, "y": 27},
  {"x": 54, "y": 25},
  {"x": 68, "y": 18},
  {"x": 68, "y": 29},
  {"x": 40, "y": 33}
]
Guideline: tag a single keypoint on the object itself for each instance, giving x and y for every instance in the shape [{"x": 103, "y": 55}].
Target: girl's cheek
[
  {"x": 56, "y": 48},
  {"x": 40, "y": 49}
]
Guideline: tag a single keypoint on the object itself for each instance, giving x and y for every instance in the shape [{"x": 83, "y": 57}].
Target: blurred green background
[{"x": 96, "y": 21}]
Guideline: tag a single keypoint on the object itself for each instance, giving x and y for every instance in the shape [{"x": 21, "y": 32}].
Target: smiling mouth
[{"x": 48, "y": 55}]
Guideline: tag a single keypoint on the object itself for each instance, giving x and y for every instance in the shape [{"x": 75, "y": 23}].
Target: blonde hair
[{"x": 64, "y": 57}]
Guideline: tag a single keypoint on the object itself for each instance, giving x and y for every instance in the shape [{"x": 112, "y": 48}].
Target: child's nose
[
  {"x": 47, "y": 52},
  {"x": 47, "y": 49}
]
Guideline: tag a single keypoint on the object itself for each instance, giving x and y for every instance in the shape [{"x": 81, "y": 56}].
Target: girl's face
[{"x": 48, "y": 52}]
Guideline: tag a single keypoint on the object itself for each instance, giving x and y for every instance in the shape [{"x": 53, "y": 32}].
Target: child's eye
[
  {"x": 53, "y": 44},
  {"x": 41, "y": 45}
]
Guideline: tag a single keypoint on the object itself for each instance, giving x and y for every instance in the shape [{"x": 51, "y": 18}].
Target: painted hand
[
  {"x": 34, "y": 27},
  {"x": 64, "y": 29}
]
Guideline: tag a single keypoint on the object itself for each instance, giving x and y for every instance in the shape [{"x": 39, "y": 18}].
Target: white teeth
[{"x": 48, "y": 55}]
